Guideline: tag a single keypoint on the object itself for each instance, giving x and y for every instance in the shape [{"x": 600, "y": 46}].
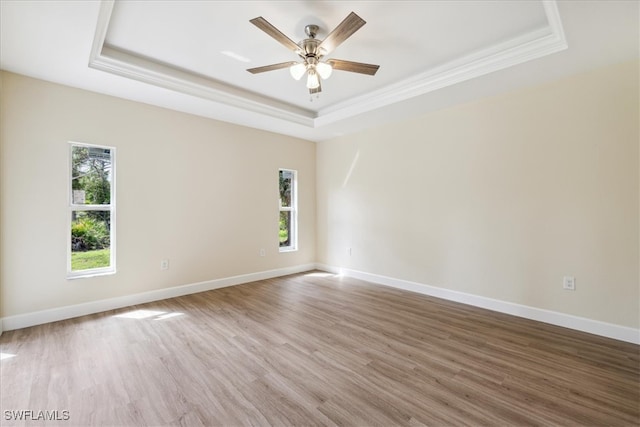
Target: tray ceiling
[
  {"x": 195, "y": 53},
  {"x": 204, "y": 48}
]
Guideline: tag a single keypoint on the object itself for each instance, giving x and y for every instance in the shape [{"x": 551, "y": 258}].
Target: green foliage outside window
[
  {"x": 284, "y": 228},
  {"x": 91, "y": 169},
  {"x": 90, "y": 173},
  {"x": 89, "y": 233},
  {"x": 285, "y": 181}
]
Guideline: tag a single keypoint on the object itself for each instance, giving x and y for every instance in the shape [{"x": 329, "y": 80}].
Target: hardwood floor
[{"x": 315, "y": 349}]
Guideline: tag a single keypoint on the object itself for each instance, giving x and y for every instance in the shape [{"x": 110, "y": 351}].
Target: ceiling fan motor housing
[{"x": 309, "y": 48}]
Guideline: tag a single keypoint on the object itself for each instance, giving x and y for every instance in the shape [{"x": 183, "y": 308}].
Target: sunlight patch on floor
[
  {"x": 168, "y": 315},
  {"x": 146, "y": 314},
  {"x": 319, "y": 274},
  {"x": 140, "y": 314}
]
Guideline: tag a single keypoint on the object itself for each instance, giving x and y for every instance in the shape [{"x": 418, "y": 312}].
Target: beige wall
[
  {"x": 202, "y": 193},
  {"x": 499, "y": 198}
]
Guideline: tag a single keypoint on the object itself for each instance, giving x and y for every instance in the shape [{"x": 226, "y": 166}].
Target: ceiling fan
[{"x": 312, "y": 50}]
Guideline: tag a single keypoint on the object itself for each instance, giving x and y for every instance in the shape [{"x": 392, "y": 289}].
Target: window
[
  {"x": 288, "y": 232},
  {"x": 91, "y": 242}
]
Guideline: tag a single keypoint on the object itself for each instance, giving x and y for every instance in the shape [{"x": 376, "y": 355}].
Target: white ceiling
[{"x": 184, "y": 55}]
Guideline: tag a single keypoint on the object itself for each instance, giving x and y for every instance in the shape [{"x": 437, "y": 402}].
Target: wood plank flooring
[{"x": 316, "y": 349}]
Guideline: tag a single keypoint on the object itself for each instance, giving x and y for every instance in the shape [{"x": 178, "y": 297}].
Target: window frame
[
  {"x": 293, "y": 220},
  {"x": 73, "y": 207}
]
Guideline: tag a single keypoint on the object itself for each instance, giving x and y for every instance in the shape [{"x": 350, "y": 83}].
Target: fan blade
[
  {"x": 271, "y": 67},
  {"x": 266, "y": 26},
  {"x": 316, "y": 90},
  {"x": 343, "y": 31},
  {"x": 354, "y": 67}
]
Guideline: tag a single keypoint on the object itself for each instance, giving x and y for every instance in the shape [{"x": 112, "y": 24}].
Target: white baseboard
[
  {"x": 596, "y": 327},
  {"x": 609, "y": 330},
  {"x": 52, "y": 315}
]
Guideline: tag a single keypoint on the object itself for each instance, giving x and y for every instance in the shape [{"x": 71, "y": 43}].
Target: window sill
[
  {"x": 288, "y": 249},
  {"x": 90, "y": 274}
]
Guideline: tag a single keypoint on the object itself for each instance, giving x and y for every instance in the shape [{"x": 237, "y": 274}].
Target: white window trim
[
  {"x": 93, "y": 272},
  {"x": 294, "y": 213}
]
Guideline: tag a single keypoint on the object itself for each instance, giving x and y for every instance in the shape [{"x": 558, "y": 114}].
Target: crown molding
[
  {"x": 518, "y": 50},
  {"x": 115, "y": 61},
  {"x": 128, "y": 65},
  {"x": 526, "y": 47}
]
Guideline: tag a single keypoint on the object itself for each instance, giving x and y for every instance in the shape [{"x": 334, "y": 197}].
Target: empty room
[{"x": 351, "y": 213}]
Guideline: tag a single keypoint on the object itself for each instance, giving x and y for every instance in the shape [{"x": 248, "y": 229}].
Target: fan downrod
[{"x": 311, "y": 30}]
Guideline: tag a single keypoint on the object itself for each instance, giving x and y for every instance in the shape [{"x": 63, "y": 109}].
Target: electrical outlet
[
  {"x": 349, "y": 251},
  {"x": 164, "y": 264},
  {"x": 569, "y": 283},
  {"x": 262, "y": 252}
]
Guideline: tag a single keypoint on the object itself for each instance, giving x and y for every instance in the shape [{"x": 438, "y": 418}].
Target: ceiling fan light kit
[
  {"x": 298, "y": 70},
  {"x": 312, "y": 50},
  {"x": 313, "y": 81},
  {"x": 324, "y": 69}
]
